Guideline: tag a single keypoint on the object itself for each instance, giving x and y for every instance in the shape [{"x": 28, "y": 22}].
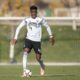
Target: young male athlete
[{"x": 33, "y": 38}]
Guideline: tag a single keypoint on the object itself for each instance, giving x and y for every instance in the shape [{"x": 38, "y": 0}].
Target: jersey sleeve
[
  {"x": 19, "y": 28},
  {"x": 44, "y": 23}
]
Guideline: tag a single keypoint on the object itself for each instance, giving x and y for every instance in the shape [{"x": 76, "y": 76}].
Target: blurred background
[
  {"x": 65, "y": 29},
  {"x": 46, "y": 7}
]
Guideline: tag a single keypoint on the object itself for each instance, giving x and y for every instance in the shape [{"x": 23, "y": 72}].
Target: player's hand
[
  {"x": 51, "y": 40},
  {"x": 13, "y": 41}
]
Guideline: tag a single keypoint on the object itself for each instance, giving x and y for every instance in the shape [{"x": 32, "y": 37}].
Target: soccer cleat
[
  {"x": 24, "y": 74},
  {"x": 42, "y": 71},
  {"x": 27, "y": 73}
]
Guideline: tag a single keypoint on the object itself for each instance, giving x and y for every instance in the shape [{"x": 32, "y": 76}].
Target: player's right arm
[{"x": 13, "y": 41}]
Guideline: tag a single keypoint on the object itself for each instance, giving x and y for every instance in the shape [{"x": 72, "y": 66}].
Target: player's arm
[
  {"x": 51, "y": 37},
  {"x": 13, "y": 41}
]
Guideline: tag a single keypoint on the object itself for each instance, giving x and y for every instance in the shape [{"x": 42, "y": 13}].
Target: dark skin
[
  {"x": 33, "y": 13},
  {"x": 51, "y": 39}
]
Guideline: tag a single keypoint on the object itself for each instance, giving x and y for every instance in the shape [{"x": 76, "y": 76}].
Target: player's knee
[
  {"x": 27, "y": 50},
  {"x": 38, "y": 57}
]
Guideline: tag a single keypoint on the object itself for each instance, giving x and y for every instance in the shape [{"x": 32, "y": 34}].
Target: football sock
[
  {"x": 25, "y": 62},
  {"x": 41, "y": 64}
]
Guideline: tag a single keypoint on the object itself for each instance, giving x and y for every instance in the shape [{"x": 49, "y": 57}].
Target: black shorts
[{"x": 33, "y": 44}]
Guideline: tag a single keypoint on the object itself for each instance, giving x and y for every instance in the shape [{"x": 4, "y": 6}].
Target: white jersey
[{"x": 34, "y": 28}]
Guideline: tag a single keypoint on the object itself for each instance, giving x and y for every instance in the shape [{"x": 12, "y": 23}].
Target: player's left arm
[{"x": 51, "y": 37}]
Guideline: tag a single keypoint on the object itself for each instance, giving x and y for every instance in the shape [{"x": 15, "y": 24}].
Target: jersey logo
[{"x": 33, "y": 24}]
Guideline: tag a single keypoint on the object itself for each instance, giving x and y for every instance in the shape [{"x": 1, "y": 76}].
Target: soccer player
[{"x": 33, "y": 37}]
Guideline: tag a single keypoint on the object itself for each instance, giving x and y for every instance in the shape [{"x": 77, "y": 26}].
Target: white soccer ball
[{"x": 28, "y": 73}]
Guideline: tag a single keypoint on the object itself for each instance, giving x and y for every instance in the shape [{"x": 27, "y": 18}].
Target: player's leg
[
  {"x": 25, "y": 58},
  {"x": 27, "y": 49},
  {"x": 25, "y": 61},
  {"x": 37, "y": 49},
  {"x": 42, "y": 66}
]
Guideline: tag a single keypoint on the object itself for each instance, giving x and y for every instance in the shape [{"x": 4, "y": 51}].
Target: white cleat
[
  {"x": 27, "y": 73},
  {"x": 23, "y": 75},
  {"x": 42, "y": 72}
]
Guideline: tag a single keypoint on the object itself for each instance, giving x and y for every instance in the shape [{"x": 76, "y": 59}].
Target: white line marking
[
  {"x": 46, "y": 63},
  {"x": 36, "y": 75}
]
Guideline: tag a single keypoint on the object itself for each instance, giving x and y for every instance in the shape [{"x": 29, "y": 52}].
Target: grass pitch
[
  {"x": 66, "y": 48},
  {"x": 52, "y": 73}
]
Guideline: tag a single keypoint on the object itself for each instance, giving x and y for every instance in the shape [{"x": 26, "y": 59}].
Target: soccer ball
[{"x": 28, "y": 73}]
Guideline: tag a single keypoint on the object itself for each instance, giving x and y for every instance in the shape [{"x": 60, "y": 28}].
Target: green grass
[
  {"x": 66, "y": 48},
  {"x": 52, "y": 73}
]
